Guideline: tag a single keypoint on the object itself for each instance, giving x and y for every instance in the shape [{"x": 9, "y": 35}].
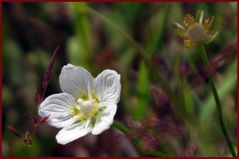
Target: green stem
[{"x": 218, "y": 103}]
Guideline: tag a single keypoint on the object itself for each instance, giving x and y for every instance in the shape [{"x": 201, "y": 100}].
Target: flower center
[
  {"x": 197, "y": 33},
  {"x": 87, "y": 107}
]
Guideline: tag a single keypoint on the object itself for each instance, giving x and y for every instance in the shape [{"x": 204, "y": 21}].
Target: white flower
[{"x": 86, "y": 105}]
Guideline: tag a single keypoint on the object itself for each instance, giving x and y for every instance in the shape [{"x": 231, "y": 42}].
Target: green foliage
[
  {"x": 157, "y": 29},
  {"x": 80, "y": 46},
  {"x": 142, "y": 93}
]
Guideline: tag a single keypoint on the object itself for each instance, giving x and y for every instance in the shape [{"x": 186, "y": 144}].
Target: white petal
[
  {"x": 58, "y": 108},
  {"x": 75, "y": 80},
  {"x": 108, "y": 86},
  {"x": 73, "y": 132},
  {"x": 201, "y": 17},
  {"x": 105, "y": 119},
  {"x": 179, "y": 25}
]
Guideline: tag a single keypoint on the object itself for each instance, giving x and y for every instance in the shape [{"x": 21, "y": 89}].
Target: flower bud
[{"x": 195, "y": 31}]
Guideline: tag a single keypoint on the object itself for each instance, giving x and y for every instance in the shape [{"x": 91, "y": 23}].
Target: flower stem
[{"x": 218, "y": 103}]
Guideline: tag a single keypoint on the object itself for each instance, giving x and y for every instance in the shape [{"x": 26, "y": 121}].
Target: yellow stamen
[
  {"x": 84, "y": 95},
  {"x": 75, "y": 111},
  {"x": 93, "y": 93},
  {"x": 188, "y": 43},
  {"x": 88, "y": 106},
  {"x": 180, "y": 32},
  {"x": 207, "y": 24},
  {"x": 188, "y": 21}
]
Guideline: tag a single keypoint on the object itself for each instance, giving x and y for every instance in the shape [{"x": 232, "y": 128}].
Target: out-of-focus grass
[
  {"x": 82, "y": 40},
  {"x": 143, "y": 87},
  {"x": 31, "y": 31}
]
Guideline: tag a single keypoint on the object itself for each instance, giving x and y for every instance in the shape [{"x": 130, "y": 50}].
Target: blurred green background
[{"x": 184, "y": 123}]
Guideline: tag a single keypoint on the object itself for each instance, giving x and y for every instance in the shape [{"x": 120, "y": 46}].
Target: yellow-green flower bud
[{"x": 195, "y": 31}]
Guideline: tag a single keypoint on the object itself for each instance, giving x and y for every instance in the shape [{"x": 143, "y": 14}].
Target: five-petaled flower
[
  {"x": 195, "y": 30},
  {"x": 86, "y": 105}
]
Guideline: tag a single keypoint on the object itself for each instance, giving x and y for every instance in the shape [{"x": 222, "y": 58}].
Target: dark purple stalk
[
  {"x": 13, "y": 130},
  {"x": 39, "y": 96}
]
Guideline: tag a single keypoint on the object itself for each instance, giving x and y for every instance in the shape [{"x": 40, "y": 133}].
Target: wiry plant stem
[
  {"x": 39, "y": 95},
  {"x": 218, "y": 103}
]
